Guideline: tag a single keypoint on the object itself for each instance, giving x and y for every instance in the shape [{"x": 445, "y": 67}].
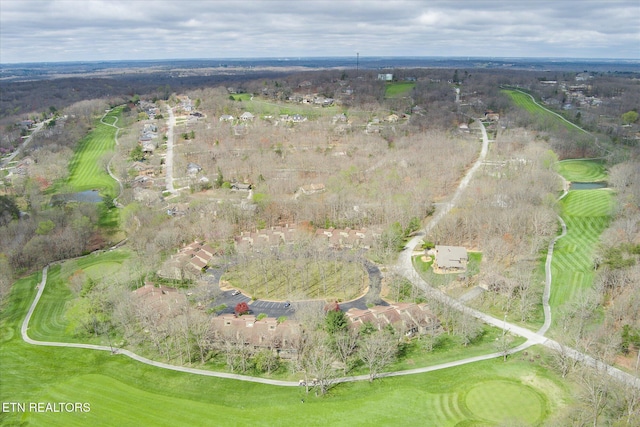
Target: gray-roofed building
[{"x": 451, "y": 257}]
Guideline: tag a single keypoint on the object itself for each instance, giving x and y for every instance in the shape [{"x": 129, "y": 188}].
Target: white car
[{"x": 235, "y": 292}]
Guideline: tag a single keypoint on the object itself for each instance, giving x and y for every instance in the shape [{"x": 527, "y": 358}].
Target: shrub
[{"x": 241, "y": 308}]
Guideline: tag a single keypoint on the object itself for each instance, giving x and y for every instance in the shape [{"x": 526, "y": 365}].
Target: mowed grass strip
[
  {"x": 525, "y": 102},
  {"x": 587, "y": 213},
  {"x": 87, "y": 169},
  {"x": 582, "y": 170}
]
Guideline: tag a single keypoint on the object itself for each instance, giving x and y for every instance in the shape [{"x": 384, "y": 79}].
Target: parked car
[
  {"x": 235, "y": 292},
  {"x": 287, "y": 304}
]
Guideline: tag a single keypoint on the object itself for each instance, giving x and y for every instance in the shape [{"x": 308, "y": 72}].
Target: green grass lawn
[
  {"x": 87, "y": 169},
  {"x": 398, "y": 90},
  {"x": 508, "y": 401},
  {"x": 124, "y": 392},
  {"x": 587, "y": 213},
  {"x": 525, "y": 102},
  {"x": 582, "y": 170}
]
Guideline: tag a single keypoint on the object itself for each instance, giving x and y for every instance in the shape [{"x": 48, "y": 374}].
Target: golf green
[{"x": 505, "y": 402}]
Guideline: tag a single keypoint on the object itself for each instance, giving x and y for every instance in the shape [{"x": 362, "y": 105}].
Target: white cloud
[{"x": 61, "y": 30}]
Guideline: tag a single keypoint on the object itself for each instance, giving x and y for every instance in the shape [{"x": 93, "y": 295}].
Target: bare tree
[
  {"x": 236, "y": 351},
  {"x": 562, "y": 360},
  {"x": 345, "y": 343},
  {"x": 5, "y": 279},
  {"x": 377, "y": 350},
  {"x": 317, "y": 361},
  {"x": 202, "y": 333},
  {"x": 596, "y": 392},
  {"x": 467, "y": 327},
  {"x": 430, "y": 338}
]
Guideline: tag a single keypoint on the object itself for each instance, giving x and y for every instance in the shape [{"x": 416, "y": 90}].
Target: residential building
[{"x": 451, "y": 258}]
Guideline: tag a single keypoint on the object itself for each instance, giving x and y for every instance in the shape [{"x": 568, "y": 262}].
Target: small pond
[
  {"x": 88, "y": 196},
  {"x": 588, "y": 185}
]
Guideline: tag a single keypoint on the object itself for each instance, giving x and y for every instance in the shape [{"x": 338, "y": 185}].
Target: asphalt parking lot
[
  {"x": 277, "y": 308},
  {"x": 270, "y": 308}
]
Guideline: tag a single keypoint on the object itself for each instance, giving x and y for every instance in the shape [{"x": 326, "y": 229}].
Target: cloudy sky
[{"x": 87, "y": 30}]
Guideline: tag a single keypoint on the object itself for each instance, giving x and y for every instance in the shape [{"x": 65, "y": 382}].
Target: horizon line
[{"x": 300, "y": 58}]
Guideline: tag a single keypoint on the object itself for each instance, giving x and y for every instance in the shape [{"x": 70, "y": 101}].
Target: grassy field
[
  {"x": 552, "y": 121},
  {"x": 398, "y": 90},
  {"x": 87, "y": 169},
  {"x": 587, "y": 213},
  {"x": 123, "y": 392},
  {"x": 582, "y": 170},
  {"x": 282, "y": 280}
]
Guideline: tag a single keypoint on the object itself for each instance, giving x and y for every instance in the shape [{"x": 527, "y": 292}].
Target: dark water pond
[
  {"x": 88, "y": 196},
  {"x": 588, "y": 185}
]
